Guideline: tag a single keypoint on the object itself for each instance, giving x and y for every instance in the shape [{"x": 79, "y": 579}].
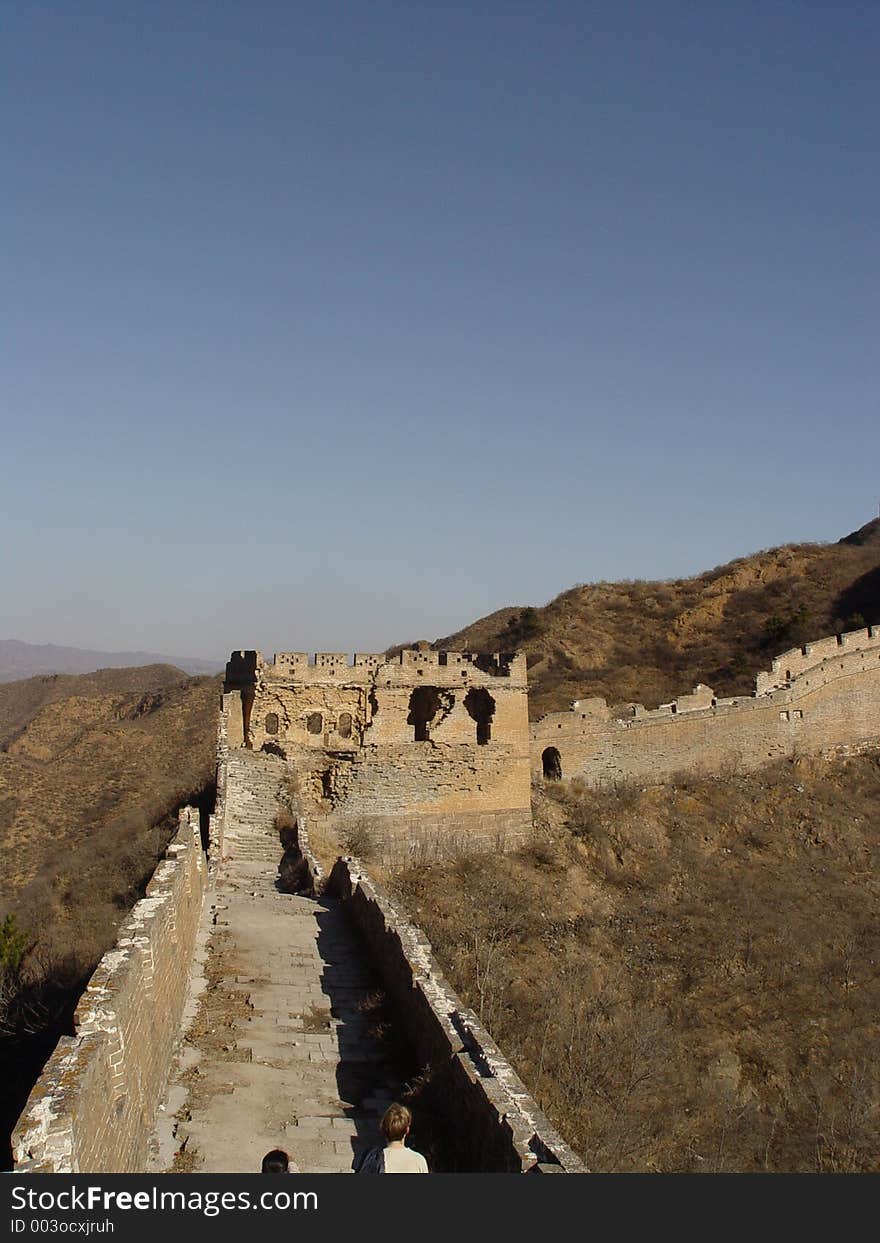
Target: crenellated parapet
[
  {"x": 792, "y": 664},
  {"x": 365, "y": 666},
  {"x": 820, "y": 696}
]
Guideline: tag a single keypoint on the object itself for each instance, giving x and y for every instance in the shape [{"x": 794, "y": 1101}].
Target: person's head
[
  {"x": 395, "y": 1123},
  {"x": 276, "y": 1162}
]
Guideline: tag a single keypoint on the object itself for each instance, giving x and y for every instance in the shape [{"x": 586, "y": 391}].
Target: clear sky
[{"x": 331, "y": 325}]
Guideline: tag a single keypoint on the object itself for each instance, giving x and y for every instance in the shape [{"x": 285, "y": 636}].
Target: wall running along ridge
[
  {"x": 93, "y": 1107},
  {"x": 821, "y": 697}
]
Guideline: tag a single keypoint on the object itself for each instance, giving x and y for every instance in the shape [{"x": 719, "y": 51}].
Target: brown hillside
[
  {"x": 20, "y": 701},
  {"x": 647, "y": 642},
  {"x": 685, "y": 977},
  {"x": 92, "y": 771},
  {"x": 80, "y": 754}
]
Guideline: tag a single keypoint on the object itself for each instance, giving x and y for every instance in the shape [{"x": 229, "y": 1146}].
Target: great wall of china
[
  {"x": 815, "y": 698},
  {"x": 233, "y": 1014}
]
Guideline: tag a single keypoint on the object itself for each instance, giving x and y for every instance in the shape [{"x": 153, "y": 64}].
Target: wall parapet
[
  {"x": 92, "y": 1109},
  {"x": 790, "y": 665},
  {"x": 823, "y": 695},
  {"x": 317, "y": 876},
  {"x": 217, "y": 820},
  {"x": 497, "y": 1124},
  {"x": 247, "y": 666}
]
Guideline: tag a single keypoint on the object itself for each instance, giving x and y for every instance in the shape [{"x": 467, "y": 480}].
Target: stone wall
[
  {"x": 93, "y": 1107},
  {"x": 228, "y": 736},
  {"x": 496, "y": 1124},
  {"x": 429, "y": 751},
  {"x": 816, "y": 698}
]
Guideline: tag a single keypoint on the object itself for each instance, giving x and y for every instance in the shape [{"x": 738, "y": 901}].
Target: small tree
[{"x": 14, "y": 944}]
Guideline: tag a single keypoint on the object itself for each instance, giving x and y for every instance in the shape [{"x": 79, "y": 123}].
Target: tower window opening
[
  {"x": 424, "y": 704},
  {"x": 481, "y": 708}
]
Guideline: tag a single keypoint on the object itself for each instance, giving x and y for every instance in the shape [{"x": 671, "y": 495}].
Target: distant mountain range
[{"x": 28, "y": 660}]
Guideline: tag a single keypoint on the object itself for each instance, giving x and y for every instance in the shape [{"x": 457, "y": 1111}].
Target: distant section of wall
[
  {"x": 799, "y": 660},
  {"x": 93, "y": 1107},
  {"x": 496, "y": 1124},
  {"x": 816, "y": 698}
]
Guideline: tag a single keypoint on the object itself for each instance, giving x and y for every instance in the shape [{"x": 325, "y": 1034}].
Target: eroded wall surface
[
  {"x": 821, "y": 697},
  {"x": 430, "y": 750},
  {"x": 93, "y": 1107}
]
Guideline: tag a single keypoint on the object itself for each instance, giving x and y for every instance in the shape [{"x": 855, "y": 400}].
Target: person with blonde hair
[
  {"x": 395, "y": 1126},
  {"x": 395, "y": 1157}
]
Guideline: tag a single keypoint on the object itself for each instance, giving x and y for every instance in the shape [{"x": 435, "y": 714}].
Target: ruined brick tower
[{"x": 427, "y": 751}]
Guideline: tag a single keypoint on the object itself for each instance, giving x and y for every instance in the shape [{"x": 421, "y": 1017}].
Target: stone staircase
[
  {"x": 253, "y": 782},
  {"x": 286, "y": 1050}
]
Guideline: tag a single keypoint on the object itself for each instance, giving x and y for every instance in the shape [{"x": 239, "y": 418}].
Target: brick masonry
[
  {"x": 496, "y": 1124},
  {"x": 428, "y": 751},
  {"x": 93, "y": 1107},
  {"x": 823, "y": 696}
]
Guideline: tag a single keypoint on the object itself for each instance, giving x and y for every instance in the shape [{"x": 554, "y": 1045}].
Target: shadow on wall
[{"x": 377, "y": 1063}]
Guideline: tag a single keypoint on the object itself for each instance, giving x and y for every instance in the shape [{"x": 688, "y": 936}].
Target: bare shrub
[{"x": 358, "y": 839}]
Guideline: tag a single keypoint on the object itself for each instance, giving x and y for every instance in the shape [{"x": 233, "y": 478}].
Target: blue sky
[{"x": 332, "y": 325}]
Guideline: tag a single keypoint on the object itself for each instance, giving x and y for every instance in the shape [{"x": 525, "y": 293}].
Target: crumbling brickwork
[
  {"x": 428, "y": 750},
  {"x": 822, "y": 696},
  {"x": 92, "y": 1108}
]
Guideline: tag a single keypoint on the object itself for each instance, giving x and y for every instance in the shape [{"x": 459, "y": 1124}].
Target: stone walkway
[{"x": 282, "y": 1051}]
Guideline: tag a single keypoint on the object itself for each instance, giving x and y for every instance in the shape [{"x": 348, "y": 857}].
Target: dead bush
[
  {"x": 358, "y": 839},
  {"x": 284, "y": 821}
]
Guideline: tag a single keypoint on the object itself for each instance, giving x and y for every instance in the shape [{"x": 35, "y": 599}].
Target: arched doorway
[{"x": 552, "y": 763}]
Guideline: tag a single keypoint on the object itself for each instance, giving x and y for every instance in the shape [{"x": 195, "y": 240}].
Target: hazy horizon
[
  {"x": 291, "y": 645},
  {"x": 330, "y": 328}
]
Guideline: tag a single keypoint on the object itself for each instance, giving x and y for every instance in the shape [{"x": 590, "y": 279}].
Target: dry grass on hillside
[
  {"x": 647, "y": 642},
  {"x": 687, "y": 977},
  {"x": 92, "y": 771}
]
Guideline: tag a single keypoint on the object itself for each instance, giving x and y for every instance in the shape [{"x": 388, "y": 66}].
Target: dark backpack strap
[{"x": 371, "y": 1162}]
